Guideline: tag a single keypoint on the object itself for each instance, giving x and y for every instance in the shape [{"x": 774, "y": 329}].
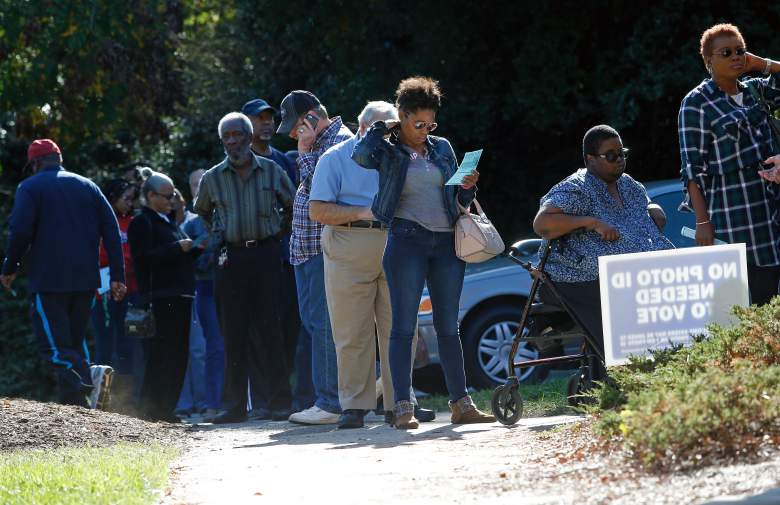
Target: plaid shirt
[
  {"x": 721, "y": 147},
  {"x": 305, "y": 239}
]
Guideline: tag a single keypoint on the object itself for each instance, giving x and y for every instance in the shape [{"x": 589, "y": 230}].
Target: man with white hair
[
  {"x": 353, "y": 242},
  {"x": 247, "y": 199}
]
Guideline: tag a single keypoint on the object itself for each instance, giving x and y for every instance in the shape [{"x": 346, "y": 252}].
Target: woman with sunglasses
[
  {"x": 165, "y": 270},
  {"x": 725, "y": 137},
  {"x": 420, "y": 211}
]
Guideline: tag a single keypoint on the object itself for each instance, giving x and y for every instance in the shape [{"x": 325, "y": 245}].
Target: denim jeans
[
  {"x": 206, "y": 309},
  {"x": 111, "y": 346},
  {"x": 192, "y": 397},
  {"x": 414, "y": 256},
  {"x": 310, "y": 280}
]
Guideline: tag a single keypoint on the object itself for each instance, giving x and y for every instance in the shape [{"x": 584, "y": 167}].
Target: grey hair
[
  {"x": 155, "y": 182},
  {"x": 235, "y": 116},
  {"x": 377, "y": 111}
]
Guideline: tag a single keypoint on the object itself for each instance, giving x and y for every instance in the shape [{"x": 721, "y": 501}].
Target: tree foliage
[{"x": 116, "y": 82}]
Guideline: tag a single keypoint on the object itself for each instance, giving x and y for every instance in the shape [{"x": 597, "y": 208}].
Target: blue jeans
[
  {"x": 192, "y": 397},
  {"x": 206, "y": 309},
  {"x": 310, "y": 280},
  {"x": 414, "y": 256},
  {"x": 111, "y": 346}
]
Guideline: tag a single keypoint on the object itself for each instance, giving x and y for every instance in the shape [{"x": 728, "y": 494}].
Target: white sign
[{"x": 654, "y": 299}]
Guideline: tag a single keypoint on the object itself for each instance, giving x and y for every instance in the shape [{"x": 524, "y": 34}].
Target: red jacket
[{"x": 124, "y": 223}]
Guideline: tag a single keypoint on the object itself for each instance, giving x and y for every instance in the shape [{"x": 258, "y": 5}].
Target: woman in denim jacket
[{"x": 420, "y": 211}]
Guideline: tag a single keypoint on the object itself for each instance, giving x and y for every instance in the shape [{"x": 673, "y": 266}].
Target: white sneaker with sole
[
  {"x": 314, "y": 415},
  {"x": 101, "y": 382}
]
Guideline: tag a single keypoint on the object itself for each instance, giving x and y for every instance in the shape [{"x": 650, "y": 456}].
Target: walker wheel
[{"x": 507, "y": 405}]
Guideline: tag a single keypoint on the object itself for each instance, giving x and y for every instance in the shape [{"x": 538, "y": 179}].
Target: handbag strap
[
  {"x": 759, "y": 97},
  {"x": 467, "y": 210}
]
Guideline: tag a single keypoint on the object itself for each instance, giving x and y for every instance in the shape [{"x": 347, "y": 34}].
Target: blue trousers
[
  {"x": 111, "y": 346},
  {"x": 310, "y": 279},
  {"x": 414, "y": 256}
]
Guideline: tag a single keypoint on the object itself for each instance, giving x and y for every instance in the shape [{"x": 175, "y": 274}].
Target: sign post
[{"x": 655, "y": 299}]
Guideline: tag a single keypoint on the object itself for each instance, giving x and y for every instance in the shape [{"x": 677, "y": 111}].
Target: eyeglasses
[
  {"x": 419, "y": 125},
  {"x": 726, "y": 52},
  {"x": 612, "y": 156},
  {"x": 168, "y": 197}
]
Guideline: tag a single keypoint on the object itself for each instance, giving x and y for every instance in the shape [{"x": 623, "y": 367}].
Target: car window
[{"x": 675, "y": 219}]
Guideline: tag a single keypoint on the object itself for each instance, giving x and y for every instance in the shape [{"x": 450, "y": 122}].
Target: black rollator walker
[{"x": 507, "y": 404}]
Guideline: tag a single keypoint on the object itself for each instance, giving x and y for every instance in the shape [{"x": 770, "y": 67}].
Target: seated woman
[{"x": 596, "y": 211}]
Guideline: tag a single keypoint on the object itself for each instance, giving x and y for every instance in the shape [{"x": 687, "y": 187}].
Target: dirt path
[{"x": 276, "y": 462}]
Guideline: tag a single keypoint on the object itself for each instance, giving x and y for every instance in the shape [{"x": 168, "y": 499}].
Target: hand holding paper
[{"x": 467, "y": 167}]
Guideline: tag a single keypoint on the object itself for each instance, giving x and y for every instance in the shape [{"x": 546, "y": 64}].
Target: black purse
[{"x": 139, "y": 323}]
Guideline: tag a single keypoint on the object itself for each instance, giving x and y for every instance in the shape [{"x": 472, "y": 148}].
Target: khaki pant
[{"x": 359, "y": 307}]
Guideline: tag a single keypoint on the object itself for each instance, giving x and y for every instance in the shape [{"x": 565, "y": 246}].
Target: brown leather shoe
[
  {"x": 465, "y": 412},
  {"x": 403, "y": 414}
]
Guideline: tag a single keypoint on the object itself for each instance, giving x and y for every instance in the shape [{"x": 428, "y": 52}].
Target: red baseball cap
[{"x": 42, "y": 147}]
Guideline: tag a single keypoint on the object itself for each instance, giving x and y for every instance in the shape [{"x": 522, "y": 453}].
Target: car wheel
[{"x": 487, "y": 340}]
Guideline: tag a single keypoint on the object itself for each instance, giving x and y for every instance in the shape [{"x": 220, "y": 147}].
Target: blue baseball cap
[{"x": 256, "y": 106}]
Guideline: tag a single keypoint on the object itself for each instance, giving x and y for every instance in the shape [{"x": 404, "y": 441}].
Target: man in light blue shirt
[{"x": 353, "y": 243}]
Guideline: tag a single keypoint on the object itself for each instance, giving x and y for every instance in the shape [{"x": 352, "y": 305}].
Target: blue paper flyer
[{"x": 469, "y": 163}]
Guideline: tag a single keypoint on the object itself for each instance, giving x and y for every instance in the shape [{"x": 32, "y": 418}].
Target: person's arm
[
  {"x": 335, "y": 214},
  {"x": 143, "y": 248},
  {"x": 693, "y": 134},
  {"x": 22, "y": 223},
  {"x": 285, "y": 194},
  {"x": 551, "y": 222},
  {"x": 109, "y": 233},
  {"x": 657, "y": 214},
  {"x": 368, "y": 150},
  {"x": 771, "y": 83},
  {"x": 204, "y": 204}
]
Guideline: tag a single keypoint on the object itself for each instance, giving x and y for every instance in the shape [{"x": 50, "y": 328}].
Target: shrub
[{"x": 685, "y": 405}]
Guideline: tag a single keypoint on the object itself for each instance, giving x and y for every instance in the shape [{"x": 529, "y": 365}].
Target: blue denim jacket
[{"x": 392, "y": 162}]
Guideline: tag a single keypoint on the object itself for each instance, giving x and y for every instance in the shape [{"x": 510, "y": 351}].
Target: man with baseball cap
[
  {"x": 306, "y": 120},
  {"x": 58, "y": 220}
]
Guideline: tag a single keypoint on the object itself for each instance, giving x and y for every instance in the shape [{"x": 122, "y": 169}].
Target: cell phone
[{"x": 312, "y": 120}]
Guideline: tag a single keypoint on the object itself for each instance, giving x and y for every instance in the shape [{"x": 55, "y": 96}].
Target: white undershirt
[
  {"x": 164, "y": 216},
  {"x": 737, "y": 98}
]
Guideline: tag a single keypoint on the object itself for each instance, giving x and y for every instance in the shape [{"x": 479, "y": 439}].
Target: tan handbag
[{"x": 476, "y": 239}]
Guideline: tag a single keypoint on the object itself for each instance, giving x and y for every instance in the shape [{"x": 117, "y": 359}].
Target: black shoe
[
  {"x": 351, "y": 418},
  {"x": 389, "y": 417},
  {"x": 230, "y": 417},
  {"x": 424, "y": 415},
  {"x": 280, "y": 414},
  {"x": 258, "y": 414}
]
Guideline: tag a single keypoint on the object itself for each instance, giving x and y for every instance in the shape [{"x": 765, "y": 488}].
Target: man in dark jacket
[{"x": 58, "y": 220}]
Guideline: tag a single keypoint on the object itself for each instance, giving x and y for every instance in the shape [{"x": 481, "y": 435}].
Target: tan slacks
[{"x": 359, "y": 307}]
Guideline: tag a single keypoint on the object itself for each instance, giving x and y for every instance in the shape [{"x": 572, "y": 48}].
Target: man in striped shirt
[{"x": 247, "y": 200}]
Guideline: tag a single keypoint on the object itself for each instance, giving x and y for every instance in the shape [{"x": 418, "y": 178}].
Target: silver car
[{"x": 494, "y": 293}]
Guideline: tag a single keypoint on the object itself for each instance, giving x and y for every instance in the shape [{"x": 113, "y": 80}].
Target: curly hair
[
  {"x": 713, "y": 32},
  {"x": 418, "y": 92}
]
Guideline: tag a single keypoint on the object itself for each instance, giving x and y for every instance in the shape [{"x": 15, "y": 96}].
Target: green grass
[
  {"x": 546, "y": 399},
  {"x": 122, "y": 474}
]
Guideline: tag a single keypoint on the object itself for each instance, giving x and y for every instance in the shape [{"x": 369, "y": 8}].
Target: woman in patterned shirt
[{"x": 724, "y": 138}]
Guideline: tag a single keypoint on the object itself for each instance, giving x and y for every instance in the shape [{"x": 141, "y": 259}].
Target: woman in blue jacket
[{"x": 420, "y": 211}]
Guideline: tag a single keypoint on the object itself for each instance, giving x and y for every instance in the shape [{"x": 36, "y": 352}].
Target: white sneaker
[
  {"x": 101, "y": 390},
  {"x": 314, "y": 415}
]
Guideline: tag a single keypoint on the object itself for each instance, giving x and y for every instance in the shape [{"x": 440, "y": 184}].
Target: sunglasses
[
  {"x": 612, "y": 156},
  {"x": 169, "y": 196},
  {"x": 419, "y": 125},
  {"x": 726, "y": 52}
]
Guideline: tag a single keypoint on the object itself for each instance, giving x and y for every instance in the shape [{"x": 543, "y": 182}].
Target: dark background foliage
[{"x": 116, "y": 83}]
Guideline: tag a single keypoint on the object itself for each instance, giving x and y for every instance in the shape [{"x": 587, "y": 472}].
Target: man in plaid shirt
[
  {"x": 306, "y": 120},
  {"x": 724, "y": 138}
]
